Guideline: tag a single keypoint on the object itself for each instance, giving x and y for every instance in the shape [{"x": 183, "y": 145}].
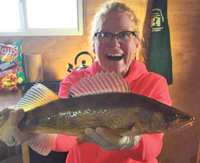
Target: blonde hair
[{"x": 113, "y": 6}]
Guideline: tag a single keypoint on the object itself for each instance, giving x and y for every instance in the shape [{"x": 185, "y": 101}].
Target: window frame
[{"x": 25, "y": 31}]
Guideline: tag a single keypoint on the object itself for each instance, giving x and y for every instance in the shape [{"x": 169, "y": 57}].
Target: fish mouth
[
  {"x": 114, "y": 57},
  {"x": 188, "y": 120},
  {"x": 190, "y": 123},
  {"x": 184, "y": 124}
]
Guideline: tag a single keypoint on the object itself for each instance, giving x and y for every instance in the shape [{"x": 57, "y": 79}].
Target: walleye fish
[{"x": 98, "y": 100}]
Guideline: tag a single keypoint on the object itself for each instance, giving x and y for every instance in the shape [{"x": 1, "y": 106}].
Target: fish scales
[{"x": 117, "y": 111}]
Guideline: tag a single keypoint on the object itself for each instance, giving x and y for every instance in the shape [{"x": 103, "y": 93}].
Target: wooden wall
[
  {"x": 184, "y": 15},
  {"x": 184, "y": 21}
]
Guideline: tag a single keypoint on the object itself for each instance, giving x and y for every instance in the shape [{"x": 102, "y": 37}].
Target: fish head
[
  {"x": 179, "y": 120},
  {"x": 168, "y": 120}
]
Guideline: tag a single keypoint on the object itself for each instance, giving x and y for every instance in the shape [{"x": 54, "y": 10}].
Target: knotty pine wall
[{"x": 184, "y": 22}]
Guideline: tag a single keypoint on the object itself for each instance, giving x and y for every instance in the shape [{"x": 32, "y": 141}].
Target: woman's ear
[{"x": 137, "y": 44}]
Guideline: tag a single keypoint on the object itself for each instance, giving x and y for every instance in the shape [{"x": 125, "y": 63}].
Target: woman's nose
[{"x": 115, "y": 41}]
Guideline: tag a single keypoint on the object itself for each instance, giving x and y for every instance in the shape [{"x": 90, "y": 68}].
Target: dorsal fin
[
  {"x": 103, "y": 82},
  {"x": 36, "y": 96}
]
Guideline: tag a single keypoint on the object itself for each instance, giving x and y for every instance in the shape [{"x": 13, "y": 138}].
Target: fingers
[
  {"x": 9, "y": 140},
  {"x": 108, "y": 135},
  {"x": 4, "y": 115},
  {"x": 13, "y": 136},
  {"x": 107, "y": 139},
  {"x": 20, "y": 115},
  {"x": 6, "y": 111},
  {"x": 8, "y": 137},
  {"x": 100, "y": 136},
  {"x": 91, "y": 136},
  {"x": 12, "y": 118},
  {"x": 15, "y": 117},
  {"x": 84, "y": 138},
  {"x": 117, "y": 141},
  {"x": 20, "y": 137},
  {"x": 9, "y": 132},
  {"x": 97, "y": 138}
]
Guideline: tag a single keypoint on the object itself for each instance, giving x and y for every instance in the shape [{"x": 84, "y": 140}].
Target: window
[{"x": 41, "y": 17}]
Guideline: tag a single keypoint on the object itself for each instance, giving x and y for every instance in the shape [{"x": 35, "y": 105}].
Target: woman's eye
[
  {"x": 123, "y": 35},
  {"x": 105, "y": 35}
]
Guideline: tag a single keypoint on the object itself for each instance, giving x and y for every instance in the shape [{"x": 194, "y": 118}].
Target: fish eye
[{"x": 172, "y": 117}]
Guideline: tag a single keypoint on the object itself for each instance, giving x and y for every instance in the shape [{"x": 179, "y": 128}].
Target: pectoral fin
[{"x": 42, "y": 143}]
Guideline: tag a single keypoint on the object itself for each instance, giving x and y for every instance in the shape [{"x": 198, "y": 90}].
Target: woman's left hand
[
  {"x": 107, "y": 139},
  {"x": 9, "y": 132}
]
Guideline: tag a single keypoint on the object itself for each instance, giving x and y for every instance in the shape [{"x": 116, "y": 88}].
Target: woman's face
[{"x": 115, "y": 55}]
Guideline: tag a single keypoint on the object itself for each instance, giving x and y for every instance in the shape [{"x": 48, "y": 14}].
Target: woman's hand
[
  {"x": 9, "y": 132},
  {"x": 107, "y": 139},
  {"x": 11, "y": 135}
]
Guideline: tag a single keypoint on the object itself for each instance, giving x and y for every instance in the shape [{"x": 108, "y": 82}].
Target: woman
[{"x": 115, "y": 41}]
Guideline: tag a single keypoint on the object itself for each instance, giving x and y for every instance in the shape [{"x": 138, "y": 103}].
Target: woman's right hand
[{"x": 9, "y": 132}]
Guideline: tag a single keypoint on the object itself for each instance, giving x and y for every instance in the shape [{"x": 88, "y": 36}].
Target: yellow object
[{"x": 25, "y": 154}]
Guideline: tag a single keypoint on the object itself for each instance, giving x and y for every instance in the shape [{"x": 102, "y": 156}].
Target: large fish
[{"x": 99, "y": 100}]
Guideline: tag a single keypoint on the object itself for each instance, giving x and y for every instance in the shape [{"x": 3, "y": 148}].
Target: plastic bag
[{"x": 11, "y": 68}]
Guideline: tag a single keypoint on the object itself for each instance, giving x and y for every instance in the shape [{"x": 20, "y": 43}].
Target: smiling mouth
[{"x": 115, "y": 57}]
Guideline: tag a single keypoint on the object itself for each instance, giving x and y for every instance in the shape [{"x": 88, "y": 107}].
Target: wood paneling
[{"x": 184, "y": 22}]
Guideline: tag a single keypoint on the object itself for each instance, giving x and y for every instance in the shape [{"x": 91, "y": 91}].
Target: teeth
[{"x": 115, "y": 55}]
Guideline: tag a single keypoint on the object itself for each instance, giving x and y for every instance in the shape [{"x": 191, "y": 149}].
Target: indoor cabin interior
[{"x": 49, "y": 52}]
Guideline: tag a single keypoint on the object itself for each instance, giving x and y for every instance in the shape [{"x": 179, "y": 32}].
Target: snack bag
[{"x": 11, "y": 68}]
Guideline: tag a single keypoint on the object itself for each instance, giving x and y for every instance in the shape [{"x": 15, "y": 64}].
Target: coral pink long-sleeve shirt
[{"x": 146, "y": 150}]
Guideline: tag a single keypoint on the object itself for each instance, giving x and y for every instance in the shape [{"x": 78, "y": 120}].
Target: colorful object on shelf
[{"x": 11, "y": 69}]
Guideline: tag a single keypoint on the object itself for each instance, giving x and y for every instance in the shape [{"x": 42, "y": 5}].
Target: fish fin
[
  {"x": 42, "y": 143},
  {"x": 104, "y": 82},
  {"x": 36, "y": 96}
]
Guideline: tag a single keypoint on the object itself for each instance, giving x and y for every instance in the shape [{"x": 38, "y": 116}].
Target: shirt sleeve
[
  {"x": 69, "y": 80},
  {"x": 150, "y": 145}
]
